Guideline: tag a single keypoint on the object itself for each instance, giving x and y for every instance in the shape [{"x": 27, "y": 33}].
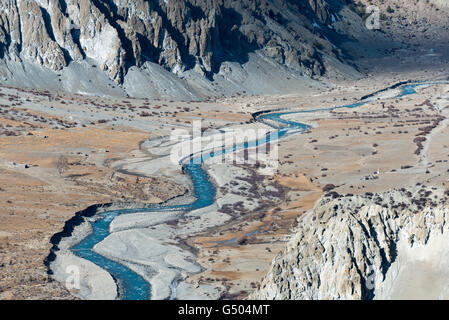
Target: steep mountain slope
[
  {"x": 364, "y": 247},
  {"x": 171, "y": 48},
  {"x": 416, "y": 22}
]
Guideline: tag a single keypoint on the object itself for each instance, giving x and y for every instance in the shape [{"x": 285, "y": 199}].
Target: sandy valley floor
[{"x": 61, "y": 153}]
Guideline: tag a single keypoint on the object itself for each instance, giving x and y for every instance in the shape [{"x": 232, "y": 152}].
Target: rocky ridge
[
  {"x": 178, "y": 35},
  {"x": 355, "y": 247},
  {"x": 201, "y": 36}
]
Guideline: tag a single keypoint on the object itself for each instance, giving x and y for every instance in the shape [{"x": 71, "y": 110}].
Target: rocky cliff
[
  {"x": 207, "y": 38},
  {"x": 387, "y": 245}
]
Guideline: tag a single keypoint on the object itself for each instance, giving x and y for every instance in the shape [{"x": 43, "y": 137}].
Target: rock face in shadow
[
  {"x": 361, "y": 247},
  {"x": 180, "y": 36}
]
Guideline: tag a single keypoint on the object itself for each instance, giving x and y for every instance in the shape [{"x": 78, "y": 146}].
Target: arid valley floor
[{"x": 60, "y": 153}]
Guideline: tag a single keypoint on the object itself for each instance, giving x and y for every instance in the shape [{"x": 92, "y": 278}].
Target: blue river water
[{"x": 132, "y": 286}]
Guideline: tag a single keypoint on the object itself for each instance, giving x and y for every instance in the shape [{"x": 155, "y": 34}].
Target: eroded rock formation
[{"x": 359, "y": 247}]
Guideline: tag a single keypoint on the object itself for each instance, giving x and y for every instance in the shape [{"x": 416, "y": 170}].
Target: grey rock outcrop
[
  {"x": 203, "y": 36},
  {"x": 356, "y": 247}
]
